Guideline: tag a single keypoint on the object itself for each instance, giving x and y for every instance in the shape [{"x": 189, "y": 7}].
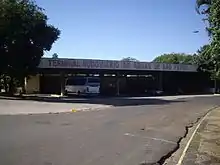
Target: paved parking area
[
  {"x": 46, "y": 104},
  {"x": 140, "y": 131}
]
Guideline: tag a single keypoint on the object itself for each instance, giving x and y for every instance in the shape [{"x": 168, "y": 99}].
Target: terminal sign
[{"x": 114, "y": 65}]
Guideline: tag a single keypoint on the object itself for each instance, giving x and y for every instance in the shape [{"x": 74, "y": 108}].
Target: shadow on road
[{"x": 117, "y": 101}]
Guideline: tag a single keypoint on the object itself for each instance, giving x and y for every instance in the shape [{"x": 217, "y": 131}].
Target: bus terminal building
[{"x": 118, "y": 77}]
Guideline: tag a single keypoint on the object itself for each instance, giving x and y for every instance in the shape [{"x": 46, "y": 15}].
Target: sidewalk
[{"x": 204, "y": 149}]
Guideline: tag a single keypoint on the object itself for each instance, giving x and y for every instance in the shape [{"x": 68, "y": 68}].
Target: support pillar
[
  {"x": 216, "y": 88},
  {"x": 117, "y": 84},
  {"x": 161, "y": 81},
  {"x": 101, "y": 77},
  {"x": 62, "y": 83}
]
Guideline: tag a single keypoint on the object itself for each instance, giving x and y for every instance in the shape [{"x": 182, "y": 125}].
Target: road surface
[{"x": 128, "y": 134}]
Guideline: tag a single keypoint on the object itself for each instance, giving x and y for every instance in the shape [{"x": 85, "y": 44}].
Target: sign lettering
[{"x": 109, "y": 64}]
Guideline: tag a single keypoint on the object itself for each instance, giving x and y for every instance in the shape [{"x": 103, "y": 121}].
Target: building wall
[
  {"x": 50, "y": 84},
  {"x": 108, "y": 85},
  {"x": 32, "y": 84}
]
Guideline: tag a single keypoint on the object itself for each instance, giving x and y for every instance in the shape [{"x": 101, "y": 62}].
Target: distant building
[{"x": 116, "y": 76}]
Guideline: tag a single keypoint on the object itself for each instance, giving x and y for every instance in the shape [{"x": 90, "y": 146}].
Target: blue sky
[{"x": 113, "y": 29}]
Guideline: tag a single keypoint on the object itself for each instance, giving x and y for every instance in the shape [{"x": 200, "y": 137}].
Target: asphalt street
[{"x": 127, "y": 134}]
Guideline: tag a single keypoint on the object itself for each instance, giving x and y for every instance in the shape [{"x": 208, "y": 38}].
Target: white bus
[{"x": 82, "y": 85}]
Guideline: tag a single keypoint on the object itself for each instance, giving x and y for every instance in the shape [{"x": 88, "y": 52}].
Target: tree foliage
[
  {"x": 211, "y": 52},
  {"x": 130, "y": 59},
  {"x": 175, "y": 58},
  {"x": 200, "y": 3},
  {"x": 55, "y": 55},
  {"x": 204, "y": 59},
  {"x": 24, "y": 36}
]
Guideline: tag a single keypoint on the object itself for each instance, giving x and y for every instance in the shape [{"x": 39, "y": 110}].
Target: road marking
[
  {"x": 151, "y": 138},
  {"x": 191, "y": 138}
]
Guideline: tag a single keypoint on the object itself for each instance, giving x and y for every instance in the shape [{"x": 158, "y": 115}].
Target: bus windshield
[{"x": 76, "y": 81}]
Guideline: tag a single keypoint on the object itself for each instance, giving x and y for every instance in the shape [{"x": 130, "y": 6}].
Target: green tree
[
  {"x": 212, "y": 16},
  {"x": 207, "y": 64},
  {"x": 204, "y": 59},
  {"x": 55, "y": 55},
  {"x": 24, "y": 36},
  {"x": 175, "y": 58},
  {"x": 206, "y": 3},
  {"x": 130, "y": 59}
]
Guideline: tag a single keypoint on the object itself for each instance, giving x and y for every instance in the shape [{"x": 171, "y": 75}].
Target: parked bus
[{"x": 82, "y": 85}]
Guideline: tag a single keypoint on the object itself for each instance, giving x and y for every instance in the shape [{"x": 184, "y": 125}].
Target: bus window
[{"x": 76, "y": 81}]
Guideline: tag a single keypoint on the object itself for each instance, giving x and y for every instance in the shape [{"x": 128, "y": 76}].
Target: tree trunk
[
  {"x": 11, "y": 86},
  {"x": 5, "y": 84},
  {"x": 24, "y": 82},
  {"x": 215, "y": 86}
]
